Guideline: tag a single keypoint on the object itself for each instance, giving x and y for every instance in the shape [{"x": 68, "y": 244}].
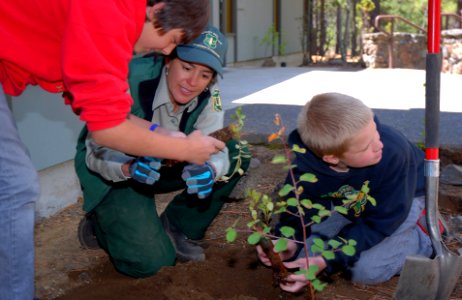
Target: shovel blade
[
  {"x": 429, "y": 279},
  {"x": 450, "y": 270},
  {"x": 418, "y": 280}
]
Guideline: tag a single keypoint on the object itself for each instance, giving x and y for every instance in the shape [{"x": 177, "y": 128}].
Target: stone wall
[{"x": 409, "y": 50}]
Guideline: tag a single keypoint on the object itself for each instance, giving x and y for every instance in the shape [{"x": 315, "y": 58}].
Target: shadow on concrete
[{"x": 259, "y": 122}]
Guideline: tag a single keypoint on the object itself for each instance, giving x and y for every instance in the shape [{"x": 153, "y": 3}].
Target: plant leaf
[
  {"x": 272, "y": 137},
  {"x": 231, "y": 234},
  {"x": 280, "y": 246},
  {"x": 287, "y": 231},
  {"x": 277, "y": 119},
  {"x": 328, "y": 254},
  {"x": 318, "y": 206},
  {"x": 298, "y": 149},
  {"x": 312, "y": 270},
  {"x": 279, "y": 159},
  {"x": 306, "y": 203},
  {"x": 286, "y": 189},
  {"x": 292, "y": 201},
  {"x": 318, "y": 242},
  {"x": 308, "y": 177},
  {"x": 315, "y": 249},
  {"x": 318, "y": 285},
  {"x": 349, "y": 250},
  {"x": 334, "y": 244},
  {"x": 254, "y": 238},
  {"x": 324, "y": 213},
  {"x": 316, "y": 219},
  {"x": 342, "y": 210}
]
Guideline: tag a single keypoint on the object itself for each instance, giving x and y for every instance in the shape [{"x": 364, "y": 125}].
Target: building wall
[
  {"x": 291, "y": 25},
  {"x": 253, "y": 18},
  {"x": 49, "y": 129},
  {"x": 46, "y": 125}
]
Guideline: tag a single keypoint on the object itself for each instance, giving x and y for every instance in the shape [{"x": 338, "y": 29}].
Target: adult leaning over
[
  {"x": 179, "y": 93},
  {"x": 81, "y": 49}
]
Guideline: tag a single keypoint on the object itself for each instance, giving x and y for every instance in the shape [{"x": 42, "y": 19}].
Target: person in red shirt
[{"x": 81, "y": 49}]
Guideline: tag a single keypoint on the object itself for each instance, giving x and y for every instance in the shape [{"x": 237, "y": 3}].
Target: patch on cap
[
  {"x": 210, "y": 40},
  {"x": 209, "y": 49}
]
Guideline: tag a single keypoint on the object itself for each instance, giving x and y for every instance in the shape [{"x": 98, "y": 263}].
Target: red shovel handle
[{"x": 434, "y": 28}]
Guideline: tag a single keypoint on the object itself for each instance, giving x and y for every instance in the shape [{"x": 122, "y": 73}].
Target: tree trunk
[
  {"x": 304, "y": 35},
  {"x": 322, "y": 28},
  {"x": 354, "y": 33},
  {"x": 338, "y": 36},
  {"x": 310, "y": 33},
  {"x": 374, "y": 13},
  {"x": 344, "y": 47}
]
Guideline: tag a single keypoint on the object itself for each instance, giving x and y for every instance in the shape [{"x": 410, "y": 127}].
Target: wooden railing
[
  {"x": 445, "y": 22},
  {"x": 389, "y": 34}
]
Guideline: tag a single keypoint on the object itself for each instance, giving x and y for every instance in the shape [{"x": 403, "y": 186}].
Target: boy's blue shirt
[{"x": 394, "y": 182}]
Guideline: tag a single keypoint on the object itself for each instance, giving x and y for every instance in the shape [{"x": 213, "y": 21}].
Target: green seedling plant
[
  {"x": 263, "y": 209},
  {"x": 241, "y": 146}
]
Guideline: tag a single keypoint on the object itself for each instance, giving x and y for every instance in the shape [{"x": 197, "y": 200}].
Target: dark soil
[{"x": 231, "y": 271}]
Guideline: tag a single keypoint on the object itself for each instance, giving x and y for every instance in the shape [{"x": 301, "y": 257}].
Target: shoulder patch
[{"x": 216, "y": 100}]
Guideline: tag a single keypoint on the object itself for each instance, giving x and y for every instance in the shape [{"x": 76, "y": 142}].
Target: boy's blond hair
[{"x": 330, "y": 120}]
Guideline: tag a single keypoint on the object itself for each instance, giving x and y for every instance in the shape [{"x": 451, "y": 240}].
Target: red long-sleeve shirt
[{"x": 82, "y": 47}]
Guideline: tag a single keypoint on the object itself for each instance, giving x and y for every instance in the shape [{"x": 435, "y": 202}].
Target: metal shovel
[{"x": 424, "y": 278}]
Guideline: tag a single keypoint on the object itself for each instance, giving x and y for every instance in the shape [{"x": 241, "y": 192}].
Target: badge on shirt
[
  {"x": 216, "y": 101},
  {"x": 353, "y": 199}
]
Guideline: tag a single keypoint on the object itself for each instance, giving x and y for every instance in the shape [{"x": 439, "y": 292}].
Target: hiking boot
[
  {"x": 186, "y": 249},
  {"x": 86, "y": 232}
]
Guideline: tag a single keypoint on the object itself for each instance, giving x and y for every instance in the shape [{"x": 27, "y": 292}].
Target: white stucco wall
[
  {"x": 252, "y": 20},
  {"x": 49, "y": 129},
  {"x": 47, "y": 126},
  {"x": 291, "y": 24}
]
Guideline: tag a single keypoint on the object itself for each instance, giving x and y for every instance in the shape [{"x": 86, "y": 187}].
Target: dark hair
[{"x": 189, "y": 15}]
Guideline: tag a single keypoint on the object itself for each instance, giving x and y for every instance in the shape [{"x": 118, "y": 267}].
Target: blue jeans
[
  {"x": 19, "y": 189},
  {"x": 386, "y": 259}
]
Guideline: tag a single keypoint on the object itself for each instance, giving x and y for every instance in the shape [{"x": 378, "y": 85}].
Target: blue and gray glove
[
  {"x": 145, "y": 169},
  {"x": 199, "y": 179}
]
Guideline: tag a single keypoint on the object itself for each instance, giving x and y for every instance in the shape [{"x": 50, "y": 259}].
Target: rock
[{"x": 451, "y": 174}]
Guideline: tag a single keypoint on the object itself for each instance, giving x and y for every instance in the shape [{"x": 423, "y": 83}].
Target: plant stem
[{"x": 280, "y": 272}]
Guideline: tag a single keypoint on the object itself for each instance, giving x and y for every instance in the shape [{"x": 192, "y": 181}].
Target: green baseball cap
[{"x": 208, "y": 49}]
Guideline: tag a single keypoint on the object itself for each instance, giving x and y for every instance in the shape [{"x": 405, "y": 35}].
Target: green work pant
[{"x": 129, "y": 229}]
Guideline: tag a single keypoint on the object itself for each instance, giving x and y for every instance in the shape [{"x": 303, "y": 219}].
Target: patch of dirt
[{"x": 231, "y": 271}]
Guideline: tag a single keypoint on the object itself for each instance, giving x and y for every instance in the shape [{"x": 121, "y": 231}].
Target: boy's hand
[
  {"x": 285, "y": 255},
  {"x": 145, "y": 169},
  {"x": 199, "y": 179},
  {"x": 294, "y": 282}
]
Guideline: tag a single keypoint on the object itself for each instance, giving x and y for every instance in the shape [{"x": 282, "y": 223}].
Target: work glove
[
  {"x": 145, "y": 169},
  {"x": 199, "y": 179}
]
